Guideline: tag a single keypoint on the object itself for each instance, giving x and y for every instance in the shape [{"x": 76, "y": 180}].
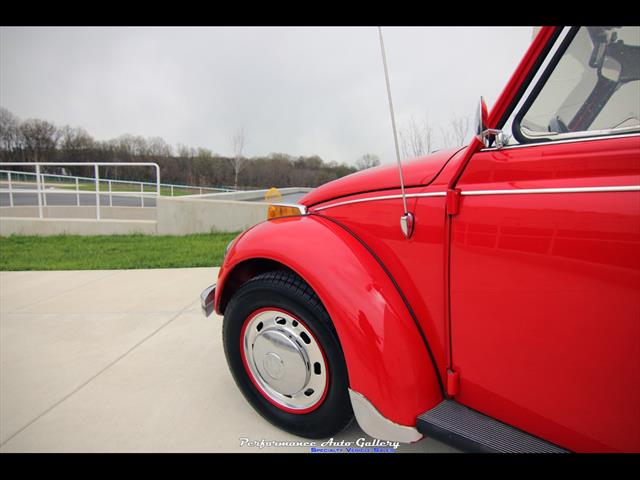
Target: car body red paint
[
  {"x": 386, "y": 359},
  {"x": 385, "y": 177},
  {"x": 530, "y": 296}
]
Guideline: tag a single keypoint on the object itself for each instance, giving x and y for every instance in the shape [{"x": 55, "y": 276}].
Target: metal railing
[
  {"x": 171, "y": 187},
  {"x": 42, "y": 193}
]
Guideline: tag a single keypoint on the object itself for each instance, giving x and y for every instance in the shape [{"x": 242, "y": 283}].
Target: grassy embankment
[{"x": 73, "y": 252}]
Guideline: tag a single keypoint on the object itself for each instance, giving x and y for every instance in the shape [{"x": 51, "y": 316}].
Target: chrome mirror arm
[
  {"x": 487, "y": 135},
  {"x": 491, "y": 134}
]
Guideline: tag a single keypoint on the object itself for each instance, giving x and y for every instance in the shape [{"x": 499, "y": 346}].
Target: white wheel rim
[{"x": 285, "y": 360}]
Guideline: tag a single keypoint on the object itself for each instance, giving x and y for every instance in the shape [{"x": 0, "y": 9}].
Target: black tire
[{"x": 286, "y": 290}]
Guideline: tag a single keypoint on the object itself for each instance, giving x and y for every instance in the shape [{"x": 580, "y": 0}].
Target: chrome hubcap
[
  {"x": 280, "y": 361},
  {"x": 285, "y": 360}
]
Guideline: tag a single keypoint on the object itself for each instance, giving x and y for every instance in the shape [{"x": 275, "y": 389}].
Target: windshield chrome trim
[
  {"x": 507, "y": 127},
  {"x": 565, "y": 140},
  {"x": 546, "y": 137}
]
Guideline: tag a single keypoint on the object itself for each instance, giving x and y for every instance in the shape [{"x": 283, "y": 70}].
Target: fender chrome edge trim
[
  {"x": 206, "y": 300},
  {"x": 373, "y": 423}
]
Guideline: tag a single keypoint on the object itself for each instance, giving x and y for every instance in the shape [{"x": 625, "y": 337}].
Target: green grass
[{"x": 106, "y": 252}]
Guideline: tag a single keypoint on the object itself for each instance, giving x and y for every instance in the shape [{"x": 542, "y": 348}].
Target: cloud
[{"x": 301, "y": 91}]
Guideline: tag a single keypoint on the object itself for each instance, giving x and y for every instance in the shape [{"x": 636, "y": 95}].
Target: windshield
[{"x": 594, "y": 87}]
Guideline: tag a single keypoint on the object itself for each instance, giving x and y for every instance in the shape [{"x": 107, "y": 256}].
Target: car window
[{"x": 593, "y": 89}]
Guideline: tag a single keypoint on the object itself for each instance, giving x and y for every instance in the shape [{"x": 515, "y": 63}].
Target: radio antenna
[{"x": 406, "y": 220}]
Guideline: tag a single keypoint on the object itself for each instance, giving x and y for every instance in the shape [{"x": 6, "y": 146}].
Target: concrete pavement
[{"x": 123, "y": 361}]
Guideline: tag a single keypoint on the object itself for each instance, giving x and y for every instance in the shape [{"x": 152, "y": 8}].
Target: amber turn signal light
[{"x": 276, "y": 211}]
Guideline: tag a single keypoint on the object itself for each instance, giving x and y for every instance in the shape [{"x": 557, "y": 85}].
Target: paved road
[
  {"x": 52, "y": 198},
  {"x": 123, "y": 361},
  {"x": 89, "y": 198}
]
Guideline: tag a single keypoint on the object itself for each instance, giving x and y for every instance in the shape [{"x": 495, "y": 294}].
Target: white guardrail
[
  {"x": 40, "y": 189},
  {"x": 78, "y": 181}
]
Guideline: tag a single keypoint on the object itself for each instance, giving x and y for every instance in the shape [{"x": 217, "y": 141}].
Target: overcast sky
[{"x": 301, "y": 91}]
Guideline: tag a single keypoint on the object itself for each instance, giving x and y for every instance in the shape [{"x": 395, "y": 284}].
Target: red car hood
[{"x": 416, "y": 172}]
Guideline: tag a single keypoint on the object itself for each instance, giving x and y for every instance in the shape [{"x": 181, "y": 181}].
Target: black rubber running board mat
[{"x": 469, "y": 430}]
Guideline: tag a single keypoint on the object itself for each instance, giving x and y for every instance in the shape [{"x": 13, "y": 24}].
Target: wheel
[{"x": 285, "y": 357}]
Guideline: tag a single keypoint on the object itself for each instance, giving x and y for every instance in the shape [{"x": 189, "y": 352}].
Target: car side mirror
[
  {"x": 487, "y": 135},
  {"x": 481, "y": 116}
]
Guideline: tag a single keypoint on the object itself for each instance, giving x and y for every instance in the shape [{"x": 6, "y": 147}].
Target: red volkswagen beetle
[{"x": 500, "y": 311}]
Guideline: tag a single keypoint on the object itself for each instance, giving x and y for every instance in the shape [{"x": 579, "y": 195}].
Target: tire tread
[{"x": 289, "y": 281}]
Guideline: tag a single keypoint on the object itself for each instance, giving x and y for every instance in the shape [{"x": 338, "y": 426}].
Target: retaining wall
[
  {"x": 184, "y": 216},
  {"x": 88, "y": 212},
  {"x": 74, "y": 226},
  {"x": 172, "y": 216}
]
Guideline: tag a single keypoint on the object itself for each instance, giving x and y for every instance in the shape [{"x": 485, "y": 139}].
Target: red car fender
[{"x": 387, "y": 357}]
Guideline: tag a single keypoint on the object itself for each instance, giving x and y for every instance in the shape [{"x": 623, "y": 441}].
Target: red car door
[{"x": 545, "y": 258}]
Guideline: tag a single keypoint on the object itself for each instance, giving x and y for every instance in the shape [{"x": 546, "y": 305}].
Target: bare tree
[
  {"x": 40, "y": 139},
  {"x": 456, "y": 134},
  {"x": 446, "y": 138},
  {"x": 416, "y": 138},
  {"x": 157, "y": 147},
  {"x": 10, "y": 136},
  {"x": 368, "y": 160},
  {"x": 74, "y": 140},
  {"x": 238, "y": 143},
  {"x": 76, "y": 145},
  {"x": 459, "y": 127},
  {"x": 183, "y": 151}
]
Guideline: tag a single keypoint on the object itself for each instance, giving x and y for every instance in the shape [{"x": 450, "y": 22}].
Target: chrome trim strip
[
  {"x": 378, "y": 426},
  {"x": 206, "y": 300},
  {"x": 507, "y": 128},
  {"x": 555, "y": 142},
  {"x": 519, "y": 191},
  {"x": 560, "y": 138},
  {"x": 384, "y": 197}
]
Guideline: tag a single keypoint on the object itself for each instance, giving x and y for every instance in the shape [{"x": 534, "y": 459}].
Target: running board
[{"x": 469, "y": 430}]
